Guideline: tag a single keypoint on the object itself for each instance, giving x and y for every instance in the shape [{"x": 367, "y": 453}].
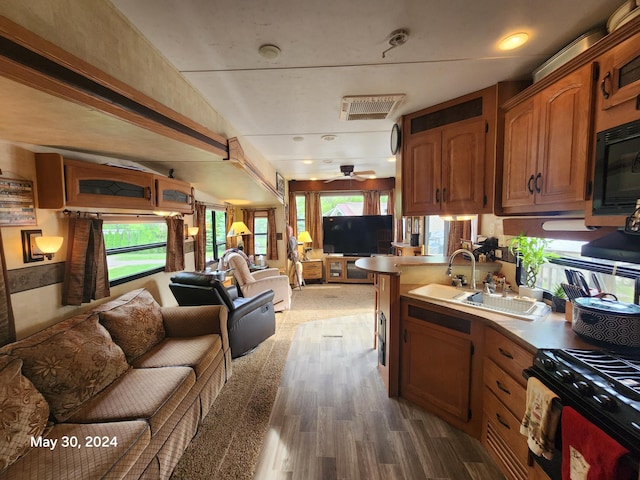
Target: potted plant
[
  {"x": 558, "y": 299},
  {"x": 530, "y": 251}
]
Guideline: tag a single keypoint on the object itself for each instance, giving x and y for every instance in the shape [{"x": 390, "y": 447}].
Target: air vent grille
[{"x": 369, "y": 107}]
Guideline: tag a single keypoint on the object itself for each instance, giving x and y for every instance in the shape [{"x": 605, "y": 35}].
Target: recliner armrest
[{"x": 246, "y": 305}]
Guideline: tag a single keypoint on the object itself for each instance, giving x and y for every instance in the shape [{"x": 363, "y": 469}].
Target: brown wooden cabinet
[
  {"x": 619, "y": 79},
  {"x": 344, "y": 270},
  {"x": 64, "y": 182},
  {"x": 439, "y": 368},
  {"x": 504, "y": 403},
  {"x": 547, "y": 147},
  {"x": 312, "y": 269}
]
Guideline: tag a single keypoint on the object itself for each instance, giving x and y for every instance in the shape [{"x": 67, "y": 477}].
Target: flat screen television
[{"x": 357, "y": 236}]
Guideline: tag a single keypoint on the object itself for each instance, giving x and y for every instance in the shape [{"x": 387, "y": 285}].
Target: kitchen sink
[{"x": 512, "y": 306}]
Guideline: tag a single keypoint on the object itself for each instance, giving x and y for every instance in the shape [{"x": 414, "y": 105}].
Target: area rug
[{"x": 228, "y": 442}]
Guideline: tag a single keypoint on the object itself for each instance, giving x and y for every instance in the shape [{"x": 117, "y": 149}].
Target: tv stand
[{"x": 344, "y": 270}]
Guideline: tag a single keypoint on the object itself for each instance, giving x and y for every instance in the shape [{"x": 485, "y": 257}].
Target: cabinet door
[
  {"x": 563, "y": 148},
  {"x": 336, "y": 270},
  {"x": 620, "y": 73},
  {"x": 174, "y": 195},
  {"x": 93, "y": 185},
  {"x": 520, "y": 154},
  {"x": 421, "y": 174},
  {"x": 436, "y": 368},
  {"x": 463, "y": 161}
]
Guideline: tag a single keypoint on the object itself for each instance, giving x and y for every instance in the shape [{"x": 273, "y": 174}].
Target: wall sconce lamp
[
  {"x": 192, "y": 231},
  {"x": 305, "y": 238},
  {"x": 35, "y": 247},
  {"x": 238, "y": 229}
]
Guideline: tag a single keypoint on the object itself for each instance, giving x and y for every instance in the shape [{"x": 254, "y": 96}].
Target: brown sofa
[{"x": 117, "y": 392}]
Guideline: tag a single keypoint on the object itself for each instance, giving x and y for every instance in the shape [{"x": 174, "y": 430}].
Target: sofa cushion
[
  {"x": 109, "y": 460},
  {"x": 135, "y": 325},
  {"x": 150, "y": 394},
  {"x": 23, "y": 411},
  {"x": 196, "y": 352},
  {"x": 72, "y": 365}
]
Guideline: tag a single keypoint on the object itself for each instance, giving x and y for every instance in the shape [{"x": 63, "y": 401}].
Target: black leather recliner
[{"x": 251, "y": 320}]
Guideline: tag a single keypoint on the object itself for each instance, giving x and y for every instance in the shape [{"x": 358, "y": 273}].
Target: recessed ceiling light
[
  {"x": 307, "y": 162},
  {"x": 328, "y": 138},
  {"x": 313, "y": 178},
  {"x": 298, "y": 139},
  {"x": 327, "y": 161},
  {"x": 269, "y": 52},
  {"x": 513, "y": 41},
  {"x": 391, "y": 159}
]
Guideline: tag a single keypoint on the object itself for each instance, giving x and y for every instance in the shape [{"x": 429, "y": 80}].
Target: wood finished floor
[{"x": 333, "y": 420}]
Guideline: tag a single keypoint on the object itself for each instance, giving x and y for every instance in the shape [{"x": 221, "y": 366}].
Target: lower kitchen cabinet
[
  {"x": 439, "y": 368},
  {"x": 504, "y": 402}
]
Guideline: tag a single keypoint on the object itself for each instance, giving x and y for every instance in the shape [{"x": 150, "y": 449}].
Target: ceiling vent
[{"x": 369, "y": 107}]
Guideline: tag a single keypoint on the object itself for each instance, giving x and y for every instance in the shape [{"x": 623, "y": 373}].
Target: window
[
  {"x": 384, "y": 203},
  {"x": 260, "y": 235},
  {"x": 134, "y": 249},
  {"x": 301, "y": 222},
  {"x": 436, "y": 234},
  {"x": 339, "y": 205},
  {"x": 216, "y": 234}
]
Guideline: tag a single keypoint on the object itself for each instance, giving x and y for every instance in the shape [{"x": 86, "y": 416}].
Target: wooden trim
[
  {"x": 380, "y": 184},
  {"x": 33, "y": 61},
  {"x": 236, "y": 155}
]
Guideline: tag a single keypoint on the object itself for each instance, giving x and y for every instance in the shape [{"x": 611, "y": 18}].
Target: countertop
[
  {"x": 391, "y": 264},
  {"x": 553, "y": 331}
]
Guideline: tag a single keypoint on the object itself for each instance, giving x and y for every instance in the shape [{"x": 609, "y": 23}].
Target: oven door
[{"x": 553, "y": 467}]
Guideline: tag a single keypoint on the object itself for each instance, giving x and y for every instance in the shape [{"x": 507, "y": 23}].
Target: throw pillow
[
  {"x": 23, "y": 411},
  {"x": 72, "y": 366},
  {"x": 136, "y": 325}
]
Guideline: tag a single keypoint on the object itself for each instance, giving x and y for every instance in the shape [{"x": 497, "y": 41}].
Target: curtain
[
  {"x": 7, "y": 326},
  {"x": 272, "y": 240},
  {"x": 293, "y": 213},
  {"x": 391, "y": 202},
  {"x": 85, "y": 277},
  {"x": 371, "y": 204},
  {"x": 457, "y": 231},
  {"x": 248, "y": 216},
  {"x": 200, "y": 221},
  {"x": 230, "y": 211},
  {"x": 175, "y": 244},
  {"x": 313, "y": 215}
]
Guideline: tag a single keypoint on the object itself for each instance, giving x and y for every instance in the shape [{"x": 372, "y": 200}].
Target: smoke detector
[{"x": 369, "y": 107}]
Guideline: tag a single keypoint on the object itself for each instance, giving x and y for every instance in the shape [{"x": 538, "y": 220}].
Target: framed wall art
[{"x": 17, "y": 206}]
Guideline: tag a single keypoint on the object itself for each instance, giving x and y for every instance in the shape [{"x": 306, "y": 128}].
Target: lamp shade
[
  {"x": 193, "y": 231},
  {"x": 238, "y": 228},
  {"x": 49, "y": 245},
  {"x": 304, "y": 237}
]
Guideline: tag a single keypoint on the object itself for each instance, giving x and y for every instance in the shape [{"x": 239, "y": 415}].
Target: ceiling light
[
  {"x": 328, "y": 138},
  {"x": 269, "y": 52},
  {"x": 327, "y": 161},
  {"x": 513, "y": 41},
  {"x": 307, "y": 162},
  {"x": 298, "y": 139},
  {"x": 391, "y": 159}
]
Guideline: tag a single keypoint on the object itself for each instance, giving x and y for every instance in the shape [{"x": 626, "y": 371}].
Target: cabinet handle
[
  {"x": 538, "y": 177},
  {"x": 502, "y": 387},
  {"x": 530, "y": 184},
  {"x": 437, "y": 195},
  {"x": 603, "y": 86},
  {"x": 444, "y": 194},
  {"x": 148, "y": 193},
  {"x": 502, "y": 422},
  {"x": 404, "y": 335},
  {"x": 504, "y": 353}
]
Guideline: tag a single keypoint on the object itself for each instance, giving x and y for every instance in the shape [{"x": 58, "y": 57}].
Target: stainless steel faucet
[{"x": 473, "y": 264}]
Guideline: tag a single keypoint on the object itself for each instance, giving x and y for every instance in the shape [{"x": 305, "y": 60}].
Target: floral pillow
[
  {"x": 136, "y": 325},
  {"x": 73, "y": 365},
  {"x": 23, "y": 411}
]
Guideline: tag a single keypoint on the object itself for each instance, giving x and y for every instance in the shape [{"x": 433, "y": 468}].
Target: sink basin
[{"x": 512, "y": 306}]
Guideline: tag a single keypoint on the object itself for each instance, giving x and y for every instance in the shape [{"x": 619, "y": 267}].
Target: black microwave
[{"x": 616, "y": 182}]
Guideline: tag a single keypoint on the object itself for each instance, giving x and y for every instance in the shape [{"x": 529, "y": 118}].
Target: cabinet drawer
[
  {"x": 510, "y": 392},
  {"x": 512, "y": 358},
  {"x": 312, "y": 270},
  {"x": 503, "y": 433}
]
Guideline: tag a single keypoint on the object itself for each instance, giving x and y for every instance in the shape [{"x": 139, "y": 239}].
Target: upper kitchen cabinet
[
  {"x": 547, "y": 147},
  {"x": 449, "y": 154},
  {"x": 64, "y": 183}
]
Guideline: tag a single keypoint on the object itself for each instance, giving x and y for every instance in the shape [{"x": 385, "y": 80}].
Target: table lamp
[
  {"x": 238, "y": 229},
  {"x": 305, "y": 238}
]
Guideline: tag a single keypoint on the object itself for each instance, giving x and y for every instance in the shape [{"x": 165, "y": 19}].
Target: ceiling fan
[{"x": 348, "y": 173}]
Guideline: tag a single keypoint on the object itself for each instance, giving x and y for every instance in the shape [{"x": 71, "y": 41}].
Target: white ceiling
[{"x": 333, "y": 48}]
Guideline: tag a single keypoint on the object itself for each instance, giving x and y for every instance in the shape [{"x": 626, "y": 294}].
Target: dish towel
[
  {"x": 540, "y": 419},
  {"x": 588, "y": 453}
]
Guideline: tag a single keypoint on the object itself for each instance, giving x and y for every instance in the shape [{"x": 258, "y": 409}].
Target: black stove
[{"x": 603, "y": 386}]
